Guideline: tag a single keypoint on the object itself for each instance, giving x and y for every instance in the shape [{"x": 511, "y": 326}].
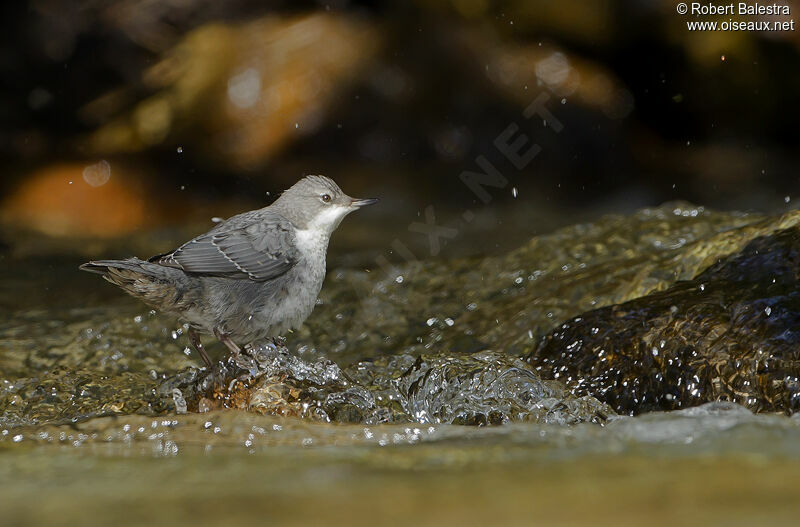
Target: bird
[{"x": 253, "y": 276}]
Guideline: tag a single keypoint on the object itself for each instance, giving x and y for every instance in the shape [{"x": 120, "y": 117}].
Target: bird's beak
[{"x": 358, "y": 203}]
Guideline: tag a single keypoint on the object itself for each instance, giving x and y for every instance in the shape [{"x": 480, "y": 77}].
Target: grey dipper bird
[{"x": 253, "y": 276}]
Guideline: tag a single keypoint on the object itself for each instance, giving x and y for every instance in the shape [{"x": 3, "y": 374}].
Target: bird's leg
[
  {"x": 198, "y": 346},
  {"x": 225, "y": 339}
]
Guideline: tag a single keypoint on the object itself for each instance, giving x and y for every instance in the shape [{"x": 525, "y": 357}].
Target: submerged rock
[
  {"x": 270, "y": 380},
  {"x": 730, "y": 334},
  {"x": 63, "y": 396},
  {"x": 486, "y": 388}
]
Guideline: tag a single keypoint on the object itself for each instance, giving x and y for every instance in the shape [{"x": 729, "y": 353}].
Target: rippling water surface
[{"x": 713, "y": 465}]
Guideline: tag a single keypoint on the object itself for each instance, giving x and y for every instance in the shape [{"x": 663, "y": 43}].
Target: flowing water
[{"x": 418, "y": 396}]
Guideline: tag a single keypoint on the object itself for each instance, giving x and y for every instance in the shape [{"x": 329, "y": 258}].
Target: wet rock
[
  {"x": 730, "y": 334},
  {"x": 270, "y": 380},
  {"x": 483, "y": 389}
]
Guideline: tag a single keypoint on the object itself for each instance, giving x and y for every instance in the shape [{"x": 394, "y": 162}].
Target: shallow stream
[{"x": 429, "y": 395}]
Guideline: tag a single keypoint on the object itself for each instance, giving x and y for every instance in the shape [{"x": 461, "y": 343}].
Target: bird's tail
[
  {"x": 103, "y": 267},
  {"x": 149, "y": 282}
]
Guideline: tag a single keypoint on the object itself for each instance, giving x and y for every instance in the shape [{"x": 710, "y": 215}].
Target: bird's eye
[{"x": 326, "y": 198}]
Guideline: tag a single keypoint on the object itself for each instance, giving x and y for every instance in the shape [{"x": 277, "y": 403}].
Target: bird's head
[{"x": 317, "y": 203}]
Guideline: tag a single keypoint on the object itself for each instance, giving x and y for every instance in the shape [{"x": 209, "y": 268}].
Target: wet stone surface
[
  {"x": 482, "y": 389},
  {"x": 731, "y": 334}
]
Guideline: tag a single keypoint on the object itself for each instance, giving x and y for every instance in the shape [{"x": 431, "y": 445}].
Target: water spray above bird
[{"x": 253, "y": 276}]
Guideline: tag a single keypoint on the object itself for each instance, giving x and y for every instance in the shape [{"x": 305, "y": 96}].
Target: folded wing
[{"x": 259, "y": 249}]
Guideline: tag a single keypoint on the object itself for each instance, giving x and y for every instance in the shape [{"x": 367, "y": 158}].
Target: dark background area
[{"x": 187, "y": 109}]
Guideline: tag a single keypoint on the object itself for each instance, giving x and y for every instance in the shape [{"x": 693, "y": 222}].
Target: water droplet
[
  {"x": 768, "y": 311},
  {"x": 564, "y": 100},
  {"x": 98, "y": 174},
  {"x": 244, "y": 89},
  {"x": 787, "y": 199},
  {"x": 180, "y": 149},
  {"x": 514, "y": 192},
  {"x": 399, "y": 279}
]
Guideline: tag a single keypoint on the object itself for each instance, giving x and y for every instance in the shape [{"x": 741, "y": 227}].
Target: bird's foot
[{"x": 239, "y": 356}]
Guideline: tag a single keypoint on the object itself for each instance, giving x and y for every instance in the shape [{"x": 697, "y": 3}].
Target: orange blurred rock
[{"x": 77, "y": 200}]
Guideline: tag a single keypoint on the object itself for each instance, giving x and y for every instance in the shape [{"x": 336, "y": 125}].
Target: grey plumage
[
  {"x": 257, "y": 247},
  {"x": 252, "y": 276}
]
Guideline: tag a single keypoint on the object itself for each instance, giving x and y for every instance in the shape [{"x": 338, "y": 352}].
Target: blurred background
[{"x": 126, "y": 126}]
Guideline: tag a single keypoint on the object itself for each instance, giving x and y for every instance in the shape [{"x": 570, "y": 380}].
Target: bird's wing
[{"x": 255, "y": 248}]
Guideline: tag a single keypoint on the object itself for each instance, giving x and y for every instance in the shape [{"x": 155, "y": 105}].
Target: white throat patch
[
  {"x": 329, "y": 219},
  {"x": 313, "y": 240}
]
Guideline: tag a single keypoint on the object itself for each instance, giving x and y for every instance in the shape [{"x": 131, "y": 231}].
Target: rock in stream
[{"x": 730, "y": 334}]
